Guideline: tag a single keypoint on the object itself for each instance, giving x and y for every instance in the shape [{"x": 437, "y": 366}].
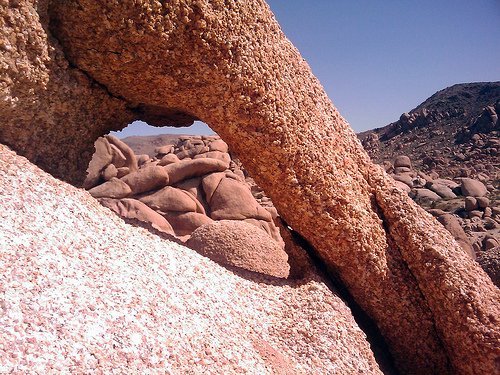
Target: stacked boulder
[
  {"x": 190, "y": 188},
  {"x": 461, "y": 205}
]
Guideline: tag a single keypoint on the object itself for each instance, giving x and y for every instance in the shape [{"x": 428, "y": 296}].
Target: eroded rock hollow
[{"x": 73, "y": 70}]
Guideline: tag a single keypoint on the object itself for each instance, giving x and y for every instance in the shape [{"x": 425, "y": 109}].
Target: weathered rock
[
  {"x": 109, "y": 172},
  {"x": 451, "y": 223},
  {"x": 189, "y": 304},
  {"x": 329, "y": 191},
  {"x": 473, "y": 188},
  {"x": 51, "y": 111},
  {"x": 219, "y": 145},
  {"x": 193, "y": 168},
  {"x": 475, "y": 214},
  {"x": 114, "y": 188},
  {"x": 122, "y": 171},
  {"x": 184, "y": 223},
  {"x": 193, "y": 187},
  {"x": 135, "y": 210},
  {"x": 401, "y": 185},
  {"x": 119, "y": 160},
  {"x": 168, "y": 159},
  {"x": 490, "y": 262},
  {"x": 487, "y": 212},
  {"x": 436, "y": 212},
  {"x": 388, "y": 167},
  {"x": 451, "y": 205},
  {"x": 424, "y": 195},
  {"x": 171, "y": 199},
  {"x": 419, "y": 182},
  {"x": 210, "y": 184},
  {"x": 100, "y": 160},
  {"x": 164, "y": 150},
  {"x": 267, "y": 227},
  {"x": 402, "y": 161},
  {"x": 143, "y": 158},
  {"x": 424, "y": 176},
  {"x": 470, "y": 203},
  {"x": 240, "y": 244},
  {"x": 224, "y": 156},
  {"x": 146, "y": 179},
  {"x": 192, "y": 151},
  {"x": 449, "y": 183},
  {"x": 130, "y": 158},
  {"x": 232, "y": 200},
  {"x": 404, "y": 178},
  {"x": 442, "y": 190},
  {"x": 483, "y": 202},
  {"x": 490, "y": 243},
  {"x": 400, "y": 170}
]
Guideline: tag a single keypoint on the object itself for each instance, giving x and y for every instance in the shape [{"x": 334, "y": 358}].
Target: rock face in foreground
[
  {"x": 230, "y": 65},
  {"x": 83, "y": 291},
  {"x": 39, "y": 87}
]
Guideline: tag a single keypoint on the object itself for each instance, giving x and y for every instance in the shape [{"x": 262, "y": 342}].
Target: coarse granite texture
[
  {"x": 229, "y": 64},
  {"x": 83, "y": 292}
]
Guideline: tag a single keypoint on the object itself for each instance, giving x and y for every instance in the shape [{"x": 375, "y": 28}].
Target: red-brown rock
[
  {"x": 232, "y": 200},
  {"x": 473, "y": 188},
  {"x": 130, "y": 158},
  {"x": 185, "y": 169},
  {"x": 109, "y": 172},
  {"x": 240, "y": 244},
  {"x": 146, "y": 179},
  {"x": 184, "y": 223},
  {"x": 219, "y": 145},
  {"x": 224, "y": 156},
  {"x": 210, "y": 183},
  {"x": 170, "y": 199},
  {"x": 114, "y": 188},
  {"x": 134, "y": 209},
  {"x": 102, "y": 157}
]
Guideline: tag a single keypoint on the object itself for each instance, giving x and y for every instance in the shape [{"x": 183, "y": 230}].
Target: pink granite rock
[{"x": 240, "y": 244}]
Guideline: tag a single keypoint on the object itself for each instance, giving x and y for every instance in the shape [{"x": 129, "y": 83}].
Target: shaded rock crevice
[
  {"x": 392, "y": 244},
  {"x": 442, "y": 272},
  {"x": 378, "y": 344}
]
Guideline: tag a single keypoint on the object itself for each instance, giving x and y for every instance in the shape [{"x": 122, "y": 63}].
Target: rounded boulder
[
  {"x": 240, "y": 244},
  {"x": 473, "y": 188}
]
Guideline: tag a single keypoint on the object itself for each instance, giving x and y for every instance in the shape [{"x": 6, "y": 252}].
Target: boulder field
[{"x": 73, "y": 71}]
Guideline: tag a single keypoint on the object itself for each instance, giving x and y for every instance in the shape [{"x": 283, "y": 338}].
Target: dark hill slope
[{"x": 454, "y": 133}]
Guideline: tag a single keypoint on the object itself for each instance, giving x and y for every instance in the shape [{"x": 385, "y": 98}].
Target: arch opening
[{"x": 178, "y": 180}]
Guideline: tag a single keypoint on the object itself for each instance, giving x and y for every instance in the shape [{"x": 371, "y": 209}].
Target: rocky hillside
[
  {"x": 146, "y": 145},
  {"x": 454, "y": 133},
  {"x": 436, "y": 150}
]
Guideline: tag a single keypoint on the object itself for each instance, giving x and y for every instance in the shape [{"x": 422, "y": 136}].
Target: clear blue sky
[{"x": 378, "y": 59}]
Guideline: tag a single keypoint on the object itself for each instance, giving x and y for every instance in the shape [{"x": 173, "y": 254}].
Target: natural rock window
[{"x": 178, "y": 183}]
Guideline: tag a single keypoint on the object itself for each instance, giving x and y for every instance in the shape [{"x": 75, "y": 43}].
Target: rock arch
[{"x": 229, "y": 64}]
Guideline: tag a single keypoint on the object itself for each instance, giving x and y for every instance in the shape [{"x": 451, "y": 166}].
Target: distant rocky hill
[
  {"x": 148, "y": 143},
  {"x": 454, "y": 133}
]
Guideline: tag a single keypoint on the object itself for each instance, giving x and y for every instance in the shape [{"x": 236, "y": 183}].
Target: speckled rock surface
[
  {"x": 247, "y": 81},
  {"x": 83, "y": 292},
  {"x": 241, "y": 244},
  {"x": 51, "y": 112},
  {"x": 490, "y": 261}
]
